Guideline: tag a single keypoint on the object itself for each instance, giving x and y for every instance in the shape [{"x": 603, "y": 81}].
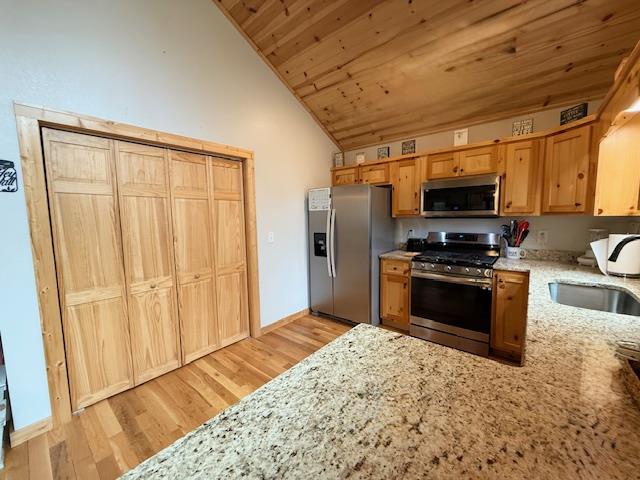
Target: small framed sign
[
  {"x": 574, "y": 113},
  {"x": 383, "y": 152},
  {"x": 359, "y": 158},
  {"x": 8, "y": 177},
  {"x": 522, "y": 127},
  {"x": 338, "y": 159},
  {"x": 408, "y": 146},
  {"x": 461, "y": 137}
]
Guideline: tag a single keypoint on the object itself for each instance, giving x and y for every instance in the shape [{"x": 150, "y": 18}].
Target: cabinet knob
[
  {"x": 153, "y": 285},
  {"x": 461, "y": 170},
  {"x": 508, "y": 205},
  {"x": 581, "y": 175},
  {"x": 455, "y": 169},
  {"x": 577, "y": 204},
  {"x": 600, "y": 211},
  {"x": 197, "y": 275}
]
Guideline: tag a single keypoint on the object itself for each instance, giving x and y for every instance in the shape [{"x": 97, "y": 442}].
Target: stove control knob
[
  {"x": 432, "y": 266},
  {"x": 467, "y": 270},
  {"x": 478, "y": 271},
  {"x": 448, "y": 268},
  {"x": 487, "y": 272}
]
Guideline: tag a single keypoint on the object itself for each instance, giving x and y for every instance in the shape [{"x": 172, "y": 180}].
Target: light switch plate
[
  {"x": 543, "y": 237},
  {"x": 271, "y": 237}
]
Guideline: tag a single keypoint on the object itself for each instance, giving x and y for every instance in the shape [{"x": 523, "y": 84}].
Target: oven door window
[
  {"x": 477, "y": 198},
  {"x": 463, "y": 306}
]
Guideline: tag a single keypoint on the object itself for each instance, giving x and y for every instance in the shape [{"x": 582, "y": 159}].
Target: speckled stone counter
[
  {"x": 377, "y": 404},
  {"x": 402, "y": 255}
]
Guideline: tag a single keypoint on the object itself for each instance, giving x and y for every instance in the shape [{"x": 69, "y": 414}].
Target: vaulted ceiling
[{"x": 371, "y": 71}]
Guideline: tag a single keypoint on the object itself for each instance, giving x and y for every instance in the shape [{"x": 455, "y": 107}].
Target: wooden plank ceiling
[{"x": 371, "y": 71}]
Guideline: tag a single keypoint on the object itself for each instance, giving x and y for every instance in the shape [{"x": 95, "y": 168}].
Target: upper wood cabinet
[
  {"x": 394, "y": 293},
  {"x": 192, "y": 199},
  {"x": 377, "y": 174},
  {"x": 618, "y": 179},
  {"x": 509, "y": 314},
  {"x": 344, "y": 176},
  {"x": 86, "y": 233},
  {"x": 143, "y": 185},
  {"x": 474, "y": 161},
  {"x": 520, "y": 164},
  {"x": 405, "y": 177},
  {"x": 478, "y": 161},
  {"x": 566, "y": 171}
]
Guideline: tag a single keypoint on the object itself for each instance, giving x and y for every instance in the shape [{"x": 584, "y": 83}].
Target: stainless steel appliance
[
  {"x": 451, "y": 283},
  {"x": 461, "y": 197},
  {"x": 349, "y": 227}
]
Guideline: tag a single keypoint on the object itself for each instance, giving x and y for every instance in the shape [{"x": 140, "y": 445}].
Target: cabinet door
[
  {"x": 86, "y": 233},
  {"x": 521, "y": 163},
  {"x": 566, "y": 177},
  {"x": 618, "y": 179},
  {"x": 478, "y": 161},
  {"x": 193, "y": 238},
  {"x": 230, "y": 256},
  {"x": 406, "y": 188},
  {"x": 443, "y": 165},
  {"x": 148, "y": 255},
  {"x": 375, "y": 174},
  {"x": 394, "y": 301},
  {"x": 345, "y": 176},
  {"x": 509, "y": 319}
]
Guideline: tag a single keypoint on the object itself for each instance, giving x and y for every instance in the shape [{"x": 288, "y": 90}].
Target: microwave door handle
[
  {"x": 328, "y": 242},
  {"x": 333, "y": 242}
]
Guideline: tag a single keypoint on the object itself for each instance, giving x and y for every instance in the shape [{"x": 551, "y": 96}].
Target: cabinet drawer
[
  {"x": 396, "y": 267},
  {"x": 375, "y": 174}
]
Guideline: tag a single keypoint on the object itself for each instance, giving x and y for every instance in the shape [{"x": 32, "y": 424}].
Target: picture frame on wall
[
  {"x": 408, "y": 146},
  {"x": 338, "y": 159},
  {"x": 359, "y": 158},
  {"x": 522, "y": 127},
  {"x": 383, "y": 152}
]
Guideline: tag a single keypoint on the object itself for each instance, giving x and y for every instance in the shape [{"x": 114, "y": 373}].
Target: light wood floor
[{"x": 116, "y": 434}]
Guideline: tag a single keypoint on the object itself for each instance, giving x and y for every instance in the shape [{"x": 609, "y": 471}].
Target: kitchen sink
[{"x": 595, "y": 297}]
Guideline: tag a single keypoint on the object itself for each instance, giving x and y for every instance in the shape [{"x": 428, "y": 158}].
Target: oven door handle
[{"x": 473, "y": 282}]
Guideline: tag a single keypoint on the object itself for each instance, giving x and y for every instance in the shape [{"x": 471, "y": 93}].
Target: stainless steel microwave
[{"x": 461, "y": 197}]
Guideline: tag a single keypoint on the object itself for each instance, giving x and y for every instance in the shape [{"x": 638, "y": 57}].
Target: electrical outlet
[
  {"x": 543, "y": 237},
  {"x": 271, "y": 237}
]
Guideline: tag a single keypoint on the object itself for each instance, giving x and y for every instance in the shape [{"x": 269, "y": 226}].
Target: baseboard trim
[
  {"x": 283, "y": 321},
  {"x": 23, "y": 434}
]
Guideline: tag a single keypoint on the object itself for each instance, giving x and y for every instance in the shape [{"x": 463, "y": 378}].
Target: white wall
[
  {"x": 174, "y": 66},
  {"x": 478, "y": 133}
]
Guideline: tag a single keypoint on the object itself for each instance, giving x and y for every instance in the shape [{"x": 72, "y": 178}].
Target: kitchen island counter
[{"x": 378, "y": 404}]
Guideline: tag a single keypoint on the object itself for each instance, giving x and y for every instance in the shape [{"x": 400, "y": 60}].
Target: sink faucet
[{"x": 618, "y": 248}]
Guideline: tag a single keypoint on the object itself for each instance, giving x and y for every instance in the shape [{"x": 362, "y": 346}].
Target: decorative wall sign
[
  {"x": 522, "y": 127},
  {"x": 461, "y": 137},
  {"x": 383, "y": 152},
  {"x": 408, "y": 147},
  {"x": 359, "y": 158},
  {"x": 338, "y": 159},
  {"x": 8, "y": 177},
  {"x": 573, "y": 113}
]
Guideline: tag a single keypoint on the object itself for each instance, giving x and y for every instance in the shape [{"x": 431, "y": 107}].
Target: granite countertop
[
  {"x": 379, "y": 404},
  {"x": 402, "y": 255}
]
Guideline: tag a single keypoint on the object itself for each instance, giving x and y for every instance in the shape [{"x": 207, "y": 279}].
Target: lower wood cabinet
[
  {"x": 395, "y": 290},
  {"x": 150, "y": 257},
  {"x": 509, "y": 314}
]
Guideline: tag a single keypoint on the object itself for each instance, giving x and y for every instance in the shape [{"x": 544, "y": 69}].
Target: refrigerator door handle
[
  {"x": 333, "y": 242},
  {"x": 328, "y": 246}
]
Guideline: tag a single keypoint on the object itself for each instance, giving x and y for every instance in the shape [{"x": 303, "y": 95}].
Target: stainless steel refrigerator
[{"x": 349, "y": 227}]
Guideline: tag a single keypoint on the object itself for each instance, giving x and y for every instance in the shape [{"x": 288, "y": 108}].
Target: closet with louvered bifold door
[{"x": 150, "y": 256}]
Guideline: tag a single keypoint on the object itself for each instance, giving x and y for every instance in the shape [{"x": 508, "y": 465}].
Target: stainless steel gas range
[{"x": 451, "y": 283}]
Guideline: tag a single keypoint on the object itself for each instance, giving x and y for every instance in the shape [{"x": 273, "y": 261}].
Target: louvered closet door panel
[
  {"x": 230, "y": 255},
  {"x": 192, "y": 221},
  {"x": 86, "y": 231},
  {"x": 143, "y": 184}
]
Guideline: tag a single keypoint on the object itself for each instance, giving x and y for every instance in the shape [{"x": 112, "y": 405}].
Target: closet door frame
[{"x": 29, "y": 122}]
